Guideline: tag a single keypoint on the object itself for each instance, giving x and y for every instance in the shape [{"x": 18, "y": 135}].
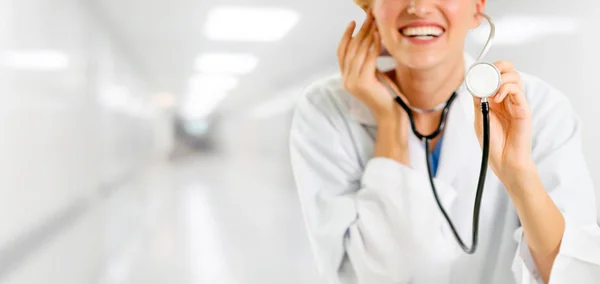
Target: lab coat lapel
[
  {"x": 460, "y": 147},
  {"x": 460, "y": 155}
]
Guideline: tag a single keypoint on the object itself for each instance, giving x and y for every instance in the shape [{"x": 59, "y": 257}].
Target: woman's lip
[
  {"x": 419, "y": 41},
  {"x": 423, "y": 24}
]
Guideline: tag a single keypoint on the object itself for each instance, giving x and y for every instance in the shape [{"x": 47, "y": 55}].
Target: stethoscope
[{"x": 482, "y": 80}]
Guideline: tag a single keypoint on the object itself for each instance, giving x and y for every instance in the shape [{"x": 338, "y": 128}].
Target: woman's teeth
[
  {"x": 422, "y": 32},
  {"x": 424, "y": 37}
]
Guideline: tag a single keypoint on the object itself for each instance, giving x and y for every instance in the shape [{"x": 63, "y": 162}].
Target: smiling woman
[{"x": 370, "y": 216}]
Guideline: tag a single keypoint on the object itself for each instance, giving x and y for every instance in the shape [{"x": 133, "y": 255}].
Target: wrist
[
  {"x": 392, "y": 140},
  {"x": 519, "y": 178},
  {"x": 387, "y": 115}
]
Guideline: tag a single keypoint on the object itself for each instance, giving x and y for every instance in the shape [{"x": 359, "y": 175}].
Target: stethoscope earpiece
[{"x": 483, "y": 80}]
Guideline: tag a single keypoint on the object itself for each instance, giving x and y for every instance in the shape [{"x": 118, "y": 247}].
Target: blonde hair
[{"x": 362, "y": 3}]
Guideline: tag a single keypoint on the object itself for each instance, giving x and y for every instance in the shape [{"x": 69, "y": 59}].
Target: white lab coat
[{"x": 375, "y": 221}]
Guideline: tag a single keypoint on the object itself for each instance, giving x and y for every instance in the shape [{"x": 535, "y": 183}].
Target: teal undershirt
[{"x": 435, "y": 156}]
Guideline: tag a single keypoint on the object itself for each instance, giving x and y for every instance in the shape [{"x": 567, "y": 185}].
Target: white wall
[
  {"x": 66, "y": 136},
  {"x": 588, "y": 100}
]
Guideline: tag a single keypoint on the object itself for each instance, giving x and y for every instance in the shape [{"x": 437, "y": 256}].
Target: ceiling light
[
  {"x": 226, "y": 63},
  {"x": 212, "y": 83},
  {"x": 38, "y": 60},
  {"x": 516, "y": 30},
  {"x": 234, "y": 23}
]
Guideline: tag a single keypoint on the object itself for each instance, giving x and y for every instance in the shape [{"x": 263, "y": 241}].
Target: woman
[{"x": 362, "y": 177}]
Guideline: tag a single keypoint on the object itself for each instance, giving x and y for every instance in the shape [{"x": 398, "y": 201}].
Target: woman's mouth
[{"x": 422, "y": 33}]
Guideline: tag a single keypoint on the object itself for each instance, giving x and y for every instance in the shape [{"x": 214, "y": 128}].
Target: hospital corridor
[{"x": 147, "y": 141}]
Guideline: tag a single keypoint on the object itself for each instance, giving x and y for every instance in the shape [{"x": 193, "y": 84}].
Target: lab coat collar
[{"x": 460, "y": 145}]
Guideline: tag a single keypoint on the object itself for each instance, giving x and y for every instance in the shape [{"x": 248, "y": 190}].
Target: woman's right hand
[{"x": 357, "y": 57}]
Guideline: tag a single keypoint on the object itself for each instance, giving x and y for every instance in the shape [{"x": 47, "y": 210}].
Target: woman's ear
[
  {"x": 480, "y": 6},
  {"x": 479, "y": 9}
]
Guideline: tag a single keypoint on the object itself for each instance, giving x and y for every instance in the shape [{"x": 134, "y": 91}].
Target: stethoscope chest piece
[{"x": 483, "y": 80}]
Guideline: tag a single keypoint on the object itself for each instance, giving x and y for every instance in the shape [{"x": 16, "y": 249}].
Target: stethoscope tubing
[
  {"x": 482, "y": 174},
  {"x": 480, "y": 185}
]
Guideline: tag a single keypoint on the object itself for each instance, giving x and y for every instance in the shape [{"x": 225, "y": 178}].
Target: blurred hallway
[
  {"x": 189, "y": 222},
  {"x": 200, "y": 225},
  {"x": 204, "y": 225}
]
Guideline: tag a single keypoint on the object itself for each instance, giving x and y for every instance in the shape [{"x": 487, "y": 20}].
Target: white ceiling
[{"x": 164, "y": 37}]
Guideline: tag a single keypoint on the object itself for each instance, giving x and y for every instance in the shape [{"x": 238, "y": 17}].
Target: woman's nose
[{"x": 420, "y": 8}]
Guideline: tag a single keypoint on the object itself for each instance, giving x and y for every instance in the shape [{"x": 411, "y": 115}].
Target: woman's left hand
[{"x": 510, "y": 125}]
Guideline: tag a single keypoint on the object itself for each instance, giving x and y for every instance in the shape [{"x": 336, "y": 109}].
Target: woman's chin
[{"x": 419, "y": 60}]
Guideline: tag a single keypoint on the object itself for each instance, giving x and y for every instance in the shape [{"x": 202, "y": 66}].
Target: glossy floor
[{"x": 214, "y": 220}]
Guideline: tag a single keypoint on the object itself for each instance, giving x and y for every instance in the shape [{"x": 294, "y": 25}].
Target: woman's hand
[
  {"x": 357, "y": 58},
  {"x": 510, "y": 125}
]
